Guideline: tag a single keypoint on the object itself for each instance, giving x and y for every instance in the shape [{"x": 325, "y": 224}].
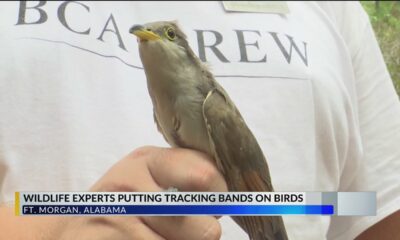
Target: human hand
[{"x": 150, "y": 169}]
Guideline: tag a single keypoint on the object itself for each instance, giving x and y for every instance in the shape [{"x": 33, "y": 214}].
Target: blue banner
[{"x": 171, "y": 210}]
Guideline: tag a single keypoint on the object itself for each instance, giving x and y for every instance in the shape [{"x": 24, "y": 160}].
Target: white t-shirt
[{"x": 311, "y": 84}]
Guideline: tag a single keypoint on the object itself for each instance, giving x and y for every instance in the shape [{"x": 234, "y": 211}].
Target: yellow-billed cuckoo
[{"x": 192, "y": 110}]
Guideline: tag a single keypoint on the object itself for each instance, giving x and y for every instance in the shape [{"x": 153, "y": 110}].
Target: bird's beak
[{"x": 143, "y": 34}]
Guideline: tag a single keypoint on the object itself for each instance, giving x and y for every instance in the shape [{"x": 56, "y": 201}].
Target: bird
[{"x": 192, "y": 110}]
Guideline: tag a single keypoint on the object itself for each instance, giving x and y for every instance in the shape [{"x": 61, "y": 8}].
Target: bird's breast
[
  {"x": 178, "y": 108},
  {"x": 172, "y": 80}
]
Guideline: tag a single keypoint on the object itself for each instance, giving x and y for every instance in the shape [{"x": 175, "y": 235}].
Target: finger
[
  {"x": 190, "y": 227},
  {"x": 121, "y": 228},
  {"x": 144, "y": 232},
  {"x": 131, "y": 174},
  {"x": 192, "y": 170}
]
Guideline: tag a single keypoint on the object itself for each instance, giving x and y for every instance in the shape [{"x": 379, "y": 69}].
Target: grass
[{"x": 385, "y": 19}]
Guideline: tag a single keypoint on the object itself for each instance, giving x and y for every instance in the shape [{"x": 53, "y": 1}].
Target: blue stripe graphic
[{"x": 245, "y": 210}]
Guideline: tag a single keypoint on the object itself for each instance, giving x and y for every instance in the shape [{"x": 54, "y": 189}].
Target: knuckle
[
  {"x": 168, "y": 156},
  {"x": 112, "y": 186},
  {"x": 142, "y": 151},
  {"x": 203, "y": 177},
  {"x": 213, "y": 232}
]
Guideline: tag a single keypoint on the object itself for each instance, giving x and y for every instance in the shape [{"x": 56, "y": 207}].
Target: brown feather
[
  {"x": 233, "y": 146},
  {"x": 240, "y": 158}
]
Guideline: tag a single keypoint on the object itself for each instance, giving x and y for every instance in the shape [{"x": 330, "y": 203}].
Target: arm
[
  {"x": 378, "y": 108},
  {"x": 388, "y": 228},
  {"x": 379, "y": 116}
]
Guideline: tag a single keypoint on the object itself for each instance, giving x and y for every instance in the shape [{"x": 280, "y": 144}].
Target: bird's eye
[{"x": 170, "y": 33}]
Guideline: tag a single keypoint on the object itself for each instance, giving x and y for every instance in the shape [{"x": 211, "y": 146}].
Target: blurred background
[{"x": 385, "y": 19}]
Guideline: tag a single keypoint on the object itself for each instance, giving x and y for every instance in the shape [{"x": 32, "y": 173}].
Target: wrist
[{"x": 27, "y": 227}]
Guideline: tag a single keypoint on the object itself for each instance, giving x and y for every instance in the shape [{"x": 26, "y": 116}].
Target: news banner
[{"x": 173, "y": 203}]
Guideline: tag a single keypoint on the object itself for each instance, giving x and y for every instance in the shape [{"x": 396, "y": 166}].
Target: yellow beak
[{"x": 143, "y": 34}]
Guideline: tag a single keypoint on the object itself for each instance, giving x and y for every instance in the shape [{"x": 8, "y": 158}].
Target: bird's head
[
  {"x": 164, "y": 31},
  {"x": 162, "y": 41}
]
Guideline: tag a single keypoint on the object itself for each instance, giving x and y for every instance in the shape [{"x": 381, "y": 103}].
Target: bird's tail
[{"x": 263, "y": 228}]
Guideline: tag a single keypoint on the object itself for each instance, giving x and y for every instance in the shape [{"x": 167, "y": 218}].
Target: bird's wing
[
  {"x": 159, "y": 126},
  {"x": 240, "y": 159},
  {"x": 235, "y": 147}
]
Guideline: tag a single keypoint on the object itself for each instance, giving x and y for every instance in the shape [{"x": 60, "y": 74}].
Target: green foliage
[{"x": 385, "y": 19}]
